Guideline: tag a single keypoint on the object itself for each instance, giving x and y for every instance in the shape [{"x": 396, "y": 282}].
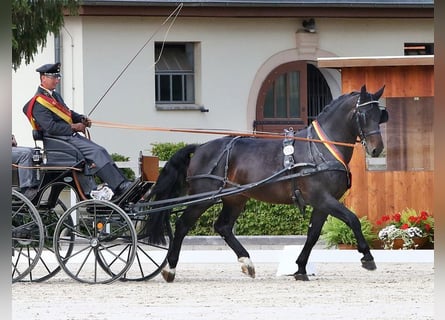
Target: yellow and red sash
[
  {"x": 335, "y": 152},
  {"x": 331, "y": 147},
  {"x": 52, "y": 105}
]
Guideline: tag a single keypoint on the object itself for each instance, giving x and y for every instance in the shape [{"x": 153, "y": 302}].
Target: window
[
  {"x": 174, "y": 73},
  {"x": 417, "y": 49},
  {"x": 318, "y": 93},
  {"x": 283, "y": 98},
  {"x": 292, "y": 95},
  {"x": 408, "y": 136}
]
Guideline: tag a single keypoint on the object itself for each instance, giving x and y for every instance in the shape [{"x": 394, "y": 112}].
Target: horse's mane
[{"x": 335, "y": 103}]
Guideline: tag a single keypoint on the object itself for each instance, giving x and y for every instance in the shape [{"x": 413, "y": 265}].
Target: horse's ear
[
  {"x": 363, "y": 93},
  {"x": 379, "y": 93}
]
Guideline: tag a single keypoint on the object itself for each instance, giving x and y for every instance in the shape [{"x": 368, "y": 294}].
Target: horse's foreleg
[
  {"x": 314, "y": 230},
  {"x": 224, "y": 227}
]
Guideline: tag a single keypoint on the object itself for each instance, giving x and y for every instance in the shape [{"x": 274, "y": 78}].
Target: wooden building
[{"x": 403, "y": 176}]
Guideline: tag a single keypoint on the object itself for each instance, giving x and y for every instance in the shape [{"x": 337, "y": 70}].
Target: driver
[{"x": 48, "y": 113}]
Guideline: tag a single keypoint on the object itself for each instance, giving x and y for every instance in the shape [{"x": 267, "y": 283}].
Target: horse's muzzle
[{"x": 374, "y": 144}]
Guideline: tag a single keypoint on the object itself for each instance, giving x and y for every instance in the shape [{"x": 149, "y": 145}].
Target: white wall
[
  {"x": 372, "y": 37},
  {"x": 229, "y": 62}
]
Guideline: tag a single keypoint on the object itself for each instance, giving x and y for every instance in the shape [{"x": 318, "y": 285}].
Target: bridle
[{"x": 360, "y": 117}]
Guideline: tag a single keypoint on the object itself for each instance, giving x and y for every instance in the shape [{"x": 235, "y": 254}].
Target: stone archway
[{"x": 306, "y": 50}]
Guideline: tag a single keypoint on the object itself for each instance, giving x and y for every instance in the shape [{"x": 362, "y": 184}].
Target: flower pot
[
  {"x": 418, "y": 243},
  {"x": 377, "y": 244},
  {"x": 344, "y": 246}
]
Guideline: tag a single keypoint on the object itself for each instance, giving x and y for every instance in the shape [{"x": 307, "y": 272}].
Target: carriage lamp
[
  {"x": 99, "y": 226},
  {"x": 309, "y": 25}
]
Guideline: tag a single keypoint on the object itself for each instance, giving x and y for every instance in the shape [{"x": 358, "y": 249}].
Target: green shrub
[
  {"x": 165, "y": 151},
  {"x": 259, "y": 218},
  {"x": 128, "y": 173},
  {"x": 336, "y": 231}
]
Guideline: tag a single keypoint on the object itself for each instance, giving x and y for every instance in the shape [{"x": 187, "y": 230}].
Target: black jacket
[{"x": 49, "y": 122}]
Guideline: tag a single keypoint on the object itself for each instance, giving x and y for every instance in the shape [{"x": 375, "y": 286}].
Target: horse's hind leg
[
  {"x": 224, "y": 226},
  {"x": 185, "y": 222}
]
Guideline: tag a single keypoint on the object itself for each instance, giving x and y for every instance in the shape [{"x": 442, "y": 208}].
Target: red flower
[
  {"x": 424, "y": 215},
  {"x": 396, "y": 217},
  {"x": 409, "y": 218},
  {"x": 412, "y": 219}
]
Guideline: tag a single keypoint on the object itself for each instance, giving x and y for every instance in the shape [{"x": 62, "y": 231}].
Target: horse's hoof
[
  {"x": 301, "y": 277},
  {"x": 168, "y": 274},
  {"x": 247, "y": 266},
  {"x": 369, "y": 264}
]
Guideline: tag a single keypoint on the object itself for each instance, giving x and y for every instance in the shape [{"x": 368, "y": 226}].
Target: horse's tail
[{"x": 171, "y": 183}]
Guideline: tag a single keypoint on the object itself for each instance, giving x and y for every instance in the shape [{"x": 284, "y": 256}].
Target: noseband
[{"x": 360, "y": 114}]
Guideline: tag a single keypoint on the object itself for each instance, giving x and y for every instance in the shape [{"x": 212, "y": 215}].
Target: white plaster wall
[
  {"x": 72, "y": 61},
  {"x": 227, "y": 70},
  {"x": 372, "y": 37}
]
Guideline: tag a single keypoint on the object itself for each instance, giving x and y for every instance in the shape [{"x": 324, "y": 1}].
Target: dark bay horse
[{"x": 306, "y": 172}]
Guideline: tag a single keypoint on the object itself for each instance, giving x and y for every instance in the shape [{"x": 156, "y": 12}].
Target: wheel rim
[
  {"x": 50, "y": 207},
  {"x": 47, "y": 266},
  {"x": 104, "y": 242},
  {"x": 150, "y": 258},
  {"x": 27, "y": 236}
]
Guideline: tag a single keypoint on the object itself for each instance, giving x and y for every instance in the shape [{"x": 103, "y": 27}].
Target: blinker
[{"x": 384, "y": 116}]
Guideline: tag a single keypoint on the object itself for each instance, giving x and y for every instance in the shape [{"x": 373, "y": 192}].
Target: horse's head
[{"x": 368, "y": 116}]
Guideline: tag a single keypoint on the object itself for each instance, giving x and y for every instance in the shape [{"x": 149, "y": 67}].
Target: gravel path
[{"x": 220, "y": 291}]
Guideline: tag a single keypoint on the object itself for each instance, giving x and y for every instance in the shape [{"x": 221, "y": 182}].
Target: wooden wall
[
  {"x": 375, "y": 193},
  {"x": 399, "y": 81}
]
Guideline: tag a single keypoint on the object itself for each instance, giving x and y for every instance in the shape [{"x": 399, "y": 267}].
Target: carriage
[
  {"x": 48, "y": 235},
  {"x": 130, "y": 237}
]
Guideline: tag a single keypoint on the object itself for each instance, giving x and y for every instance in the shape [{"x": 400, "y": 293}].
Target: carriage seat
[{"x": 59, "y": 152}]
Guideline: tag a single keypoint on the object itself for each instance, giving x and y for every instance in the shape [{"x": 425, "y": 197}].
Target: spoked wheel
[
  {"x": 27, "y": 236},
  {"x": 150, "y": 257},
  {"x": 104, "y": 242},
  {"x": 47, "y": 266}
]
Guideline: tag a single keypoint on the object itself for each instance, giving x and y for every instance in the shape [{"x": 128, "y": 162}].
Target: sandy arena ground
[{"x": 219, "y": 291}]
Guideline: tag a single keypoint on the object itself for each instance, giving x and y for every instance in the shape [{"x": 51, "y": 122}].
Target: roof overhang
[
  {"x": 377, "y": 61},
  {"x": 264, "y": 9}
]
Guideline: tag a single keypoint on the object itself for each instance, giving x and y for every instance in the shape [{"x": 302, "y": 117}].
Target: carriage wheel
[
  {"x": 104, "y": 242},
  {"x": 150, "y": 258},
  {"x": 51, "y": 207},
  {"x": 27, "y": 236},
  {"x": 47, "y": 266}
]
